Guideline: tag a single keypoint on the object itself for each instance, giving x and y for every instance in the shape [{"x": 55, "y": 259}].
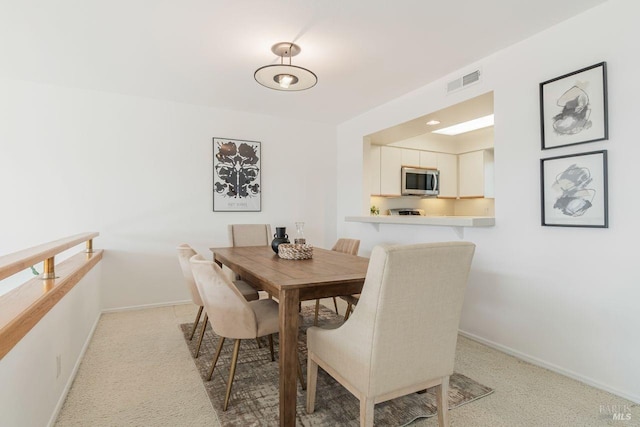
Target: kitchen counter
[{"x": 448, "y": 221}]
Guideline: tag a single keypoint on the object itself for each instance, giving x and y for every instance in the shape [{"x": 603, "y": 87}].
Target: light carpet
[{"x": 254, "y": 397}]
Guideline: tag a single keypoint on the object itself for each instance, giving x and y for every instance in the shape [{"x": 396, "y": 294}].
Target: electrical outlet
[{"x": 58, "y": 365}]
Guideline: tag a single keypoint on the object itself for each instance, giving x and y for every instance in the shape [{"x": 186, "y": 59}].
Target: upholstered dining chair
[
  {"x": 402, "y": 337},
  {"x": 231, "y": 316},
  {"x": 347, "y": 246},
  {"x": 185, "y": 252},
  {"x": 250, "y": 234}
]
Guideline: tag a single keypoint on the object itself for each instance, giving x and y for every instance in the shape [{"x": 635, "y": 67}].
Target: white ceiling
[
  {"x": 365, "y": 52},
  {"x": 470, "y": 109}
]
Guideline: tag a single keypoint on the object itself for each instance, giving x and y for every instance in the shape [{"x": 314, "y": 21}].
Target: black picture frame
[
  {"x": 573, "y": 108},
  {"x": 574, "y": 190},
  {"x": 237, "y": 175}
]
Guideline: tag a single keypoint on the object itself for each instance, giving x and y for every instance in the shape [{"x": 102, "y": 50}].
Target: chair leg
[
  {"x": 215, "y": 358},
  {"x": 300, "y": 377},
  {"x": 442, "y": 402},
  {"x": 195, "y": 324},
  {"x": 232, "y": 372},
  {"x": 366, "y": 412},
  {"x": 273, "y": 358},
  {"x": 204, "y": 326},
  {"x": 258, "y": 341},
  {"x": 348, "y": 312},
  {"x": 315, "y": 319},
  {"x": 312, "y": 377},
  {"x": 335, "y": 304}
]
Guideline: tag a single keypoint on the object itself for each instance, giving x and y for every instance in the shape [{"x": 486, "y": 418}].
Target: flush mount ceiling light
[
  {"x": 285, "y": 76},
  {"x": 474, "y": 124},
  {"x": 433, "y": 122}
]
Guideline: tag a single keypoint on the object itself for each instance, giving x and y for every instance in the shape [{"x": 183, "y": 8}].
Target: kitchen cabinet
[
  {"x": 476, "y": 174},
  {"x": 448, "y": 166},
  {"x": 386, "y": 163},
  {"x": 410, "y": 157},
  {"x": 390, "y": 164},
  {"x": 374, "y": 168},
  {"x": 428, "y": 159}
]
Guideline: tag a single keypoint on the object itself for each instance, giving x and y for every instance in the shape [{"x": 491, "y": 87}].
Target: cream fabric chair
[
  {"x": 402, "y": 337},
  {"x": 231, "y": 316},
  {"x": 347, "y": 246},
  {"x": 250, "y": 234},
  {"x": 185, "y": 252}
]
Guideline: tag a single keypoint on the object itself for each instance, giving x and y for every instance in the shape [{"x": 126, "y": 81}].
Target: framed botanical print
[
  {"x": 573, "y": 107},
  {"x": 236, "y": 175},
  {"x": 574, "y": 190}
]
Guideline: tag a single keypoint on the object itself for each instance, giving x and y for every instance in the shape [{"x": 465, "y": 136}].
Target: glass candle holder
[{"x": 299, "y": 239}]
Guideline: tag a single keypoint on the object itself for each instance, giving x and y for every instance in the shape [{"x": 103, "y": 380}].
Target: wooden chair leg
[
  {"x": 348, "y": 312},
  {"x": 271, "y": 347},
  {"x": 204, "y": 326},
  {"x": 366, "y": 412},
  {"x": 258, "y": 341},
  {"x": 300, "y": 377},
  {"x": 442, "y": 402},
  {"x": 312, "y": 378},
  {"x": 232, "y": 373},
  {"x": 335, "y": 304},
  {"x": 215, "y": 358},
  {"x": 315, "y": 319},
  {"x": 195, "y": 324}
]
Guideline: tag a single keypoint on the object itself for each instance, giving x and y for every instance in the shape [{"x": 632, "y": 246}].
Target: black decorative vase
[{"x": 280, "y": 237}]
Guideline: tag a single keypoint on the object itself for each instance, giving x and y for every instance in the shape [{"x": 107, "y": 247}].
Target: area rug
[{"x": 254, "y": 396}]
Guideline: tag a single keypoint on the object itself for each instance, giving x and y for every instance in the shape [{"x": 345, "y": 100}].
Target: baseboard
[
  {"x": 145, "y": 306},
  {"x": 74, "y": 372},
  {"x": 550, "y": 366}
]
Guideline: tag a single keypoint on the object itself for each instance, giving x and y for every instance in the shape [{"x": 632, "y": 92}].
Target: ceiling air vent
[{"x": 464, "y": 81}]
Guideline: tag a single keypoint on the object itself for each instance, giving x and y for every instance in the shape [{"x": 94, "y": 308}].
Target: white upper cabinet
[
  {"x": 374, "y": 160},
  {"x": 476, "y": 174},
  {"x": 448, "y": 167},
  {"x": 428, "y": 159},
  {"x": 390, "y": 164},
  {"x": 465, "y": 175},
  {"x": 410, "y": 157},
  {"x": 386, "y": 163}
]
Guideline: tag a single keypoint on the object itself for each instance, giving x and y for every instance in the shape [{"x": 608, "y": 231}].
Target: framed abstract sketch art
[
  {"x": 574, "y": 190},
  {"x": 573, "y": 107},
  {"x": 236, "y": 175}
]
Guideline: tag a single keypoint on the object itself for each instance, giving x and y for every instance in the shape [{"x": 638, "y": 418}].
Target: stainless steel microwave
[{"x": 420, "y": 182}]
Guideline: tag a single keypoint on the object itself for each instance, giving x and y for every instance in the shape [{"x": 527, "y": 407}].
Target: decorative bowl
[{"x": 295, "y": 251}]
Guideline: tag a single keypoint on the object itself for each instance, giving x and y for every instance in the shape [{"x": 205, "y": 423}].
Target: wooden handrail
[
  {"x": 18, "y": 261},
  {"x": 23, "y": 307}
]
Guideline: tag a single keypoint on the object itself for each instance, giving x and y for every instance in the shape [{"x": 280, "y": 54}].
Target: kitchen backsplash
[{"x": 437, "y": 207}]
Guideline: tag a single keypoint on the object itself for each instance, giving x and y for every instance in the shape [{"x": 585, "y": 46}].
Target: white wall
[
  {"x": 139, "y": 171},
  {"x": 31, "y": 394},
  {"x": 566, "y": 298}
]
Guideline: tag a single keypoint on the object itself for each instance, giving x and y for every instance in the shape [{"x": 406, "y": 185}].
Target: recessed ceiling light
[
  {"x": 433, "y": 122},
  {"x": 475, "y": 124}
]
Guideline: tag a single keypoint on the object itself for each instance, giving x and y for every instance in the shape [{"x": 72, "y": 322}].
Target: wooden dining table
[{"x": 326, "y": 274}]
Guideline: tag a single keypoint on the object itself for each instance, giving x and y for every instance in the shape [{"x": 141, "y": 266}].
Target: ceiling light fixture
[
  {"x": 474, "y": 124},
  {"x": 433, "y": 122},
  {"x": 282, "y": 76}
]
